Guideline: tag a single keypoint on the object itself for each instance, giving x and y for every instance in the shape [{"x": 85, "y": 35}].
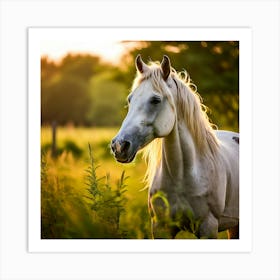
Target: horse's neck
[{"x": 178, "y": 158}]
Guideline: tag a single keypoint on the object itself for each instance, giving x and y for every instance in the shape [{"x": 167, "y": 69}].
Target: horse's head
[{"x": 151, "y": 111}]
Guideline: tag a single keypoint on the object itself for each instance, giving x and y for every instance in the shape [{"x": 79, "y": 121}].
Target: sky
[{"x": 109, "y": 50}]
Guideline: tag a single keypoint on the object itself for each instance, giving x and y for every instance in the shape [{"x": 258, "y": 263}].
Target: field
[{"x": 84, "y": 192}]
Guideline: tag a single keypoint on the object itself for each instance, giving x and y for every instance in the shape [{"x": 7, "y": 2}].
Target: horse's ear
[
  {"x": 140, "y": 65},
  {"x": 165, "y": 67}
]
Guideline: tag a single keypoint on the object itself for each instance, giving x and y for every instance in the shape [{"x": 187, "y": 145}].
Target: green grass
[{"x": 66, "y": 209}]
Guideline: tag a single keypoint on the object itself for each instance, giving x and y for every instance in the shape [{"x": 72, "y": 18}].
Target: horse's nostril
[
  {"x": 120, "y": 146},
  {"x": 125, "y": 146}
]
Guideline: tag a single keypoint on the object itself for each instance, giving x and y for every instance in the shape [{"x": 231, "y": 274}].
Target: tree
[
  {"x": 108, "y": 98},
  {"x": 83, "y": 66},
  {"x": 82, "y": 90},
  {"x": 65, "y": 99}
]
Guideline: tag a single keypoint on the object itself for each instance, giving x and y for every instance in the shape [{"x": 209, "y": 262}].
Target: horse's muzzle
[{"x": 122, "y": 150}]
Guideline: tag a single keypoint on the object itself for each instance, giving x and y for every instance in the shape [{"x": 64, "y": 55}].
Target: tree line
[{"x": 84, "y": 90}]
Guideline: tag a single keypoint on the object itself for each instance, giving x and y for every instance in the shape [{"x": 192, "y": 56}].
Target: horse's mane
[{"x": 189, "y": 107}]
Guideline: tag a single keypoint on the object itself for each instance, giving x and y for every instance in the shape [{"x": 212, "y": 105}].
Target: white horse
[{"x": 193, "y": 170}]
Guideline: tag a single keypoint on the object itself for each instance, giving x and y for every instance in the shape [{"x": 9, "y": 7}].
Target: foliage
[
  {"x": 106, "y": 203},
  {"x": 66, "y": 214},
  {"x": 68, "y": 145},
  {"x": 81, "y": 89},
  {"x": 108, "y": 98},
  {"x": 79, "y": 202},
  {"x": 63, "y": 213},
  {"x": 64, "y": 99},
  {"x": 82, "y": 66}
]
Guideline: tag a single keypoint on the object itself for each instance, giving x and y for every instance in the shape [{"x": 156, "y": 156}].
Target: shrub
[
  {"x": 106, "y": 203},
  {"x": 66, "y": 213}
]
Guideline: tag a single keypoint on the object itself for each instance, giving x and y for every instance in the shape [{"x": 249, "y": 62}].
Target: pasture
[{"x": 83, "y": 193}]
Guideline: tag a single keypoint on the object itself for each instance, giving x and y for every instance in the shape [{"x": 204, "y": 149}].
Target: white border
[
  {"x": 38, "y": 35},
  {"x": 262, "y": 262}
]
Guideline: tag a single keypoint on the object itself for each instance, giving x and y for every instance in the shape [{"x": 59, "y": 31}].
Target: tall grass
[
  {"x": 65, "y": 213},
  {"x": 81, "y": 199},
  {"x": 106, "y": 202}
]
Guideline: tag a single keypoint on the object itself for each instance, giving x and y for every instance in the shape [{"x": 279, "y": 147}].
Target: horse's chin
[{"x": 128, "y": 159}]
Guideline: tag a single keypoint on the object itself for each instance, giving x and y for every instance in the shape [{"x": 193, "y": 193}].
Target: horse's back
[
  {"x": 229, "y": 142},
  {"x": 228, "y": 137},
  {"x": 230, "y": 155}
]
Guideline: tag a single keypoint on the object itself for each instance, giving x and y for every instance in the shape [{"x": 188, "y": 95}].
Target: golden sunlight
[{"x": 109, "y": 51}]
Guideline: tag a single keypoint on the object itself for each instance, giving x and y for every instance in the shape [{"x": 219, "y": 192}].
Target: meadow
[
  {"x": 85, "y": 193},
  {"x": 67, "y": 202}
]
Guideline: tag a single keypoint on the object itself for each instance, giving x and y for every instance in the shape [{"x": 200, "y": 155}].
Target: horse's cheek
[{"x": 164, "y": 122}]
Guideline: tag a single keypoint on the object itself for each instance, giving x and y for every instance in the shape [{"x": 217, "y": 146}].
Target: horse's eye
[{"x": 155, "y": 100}]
